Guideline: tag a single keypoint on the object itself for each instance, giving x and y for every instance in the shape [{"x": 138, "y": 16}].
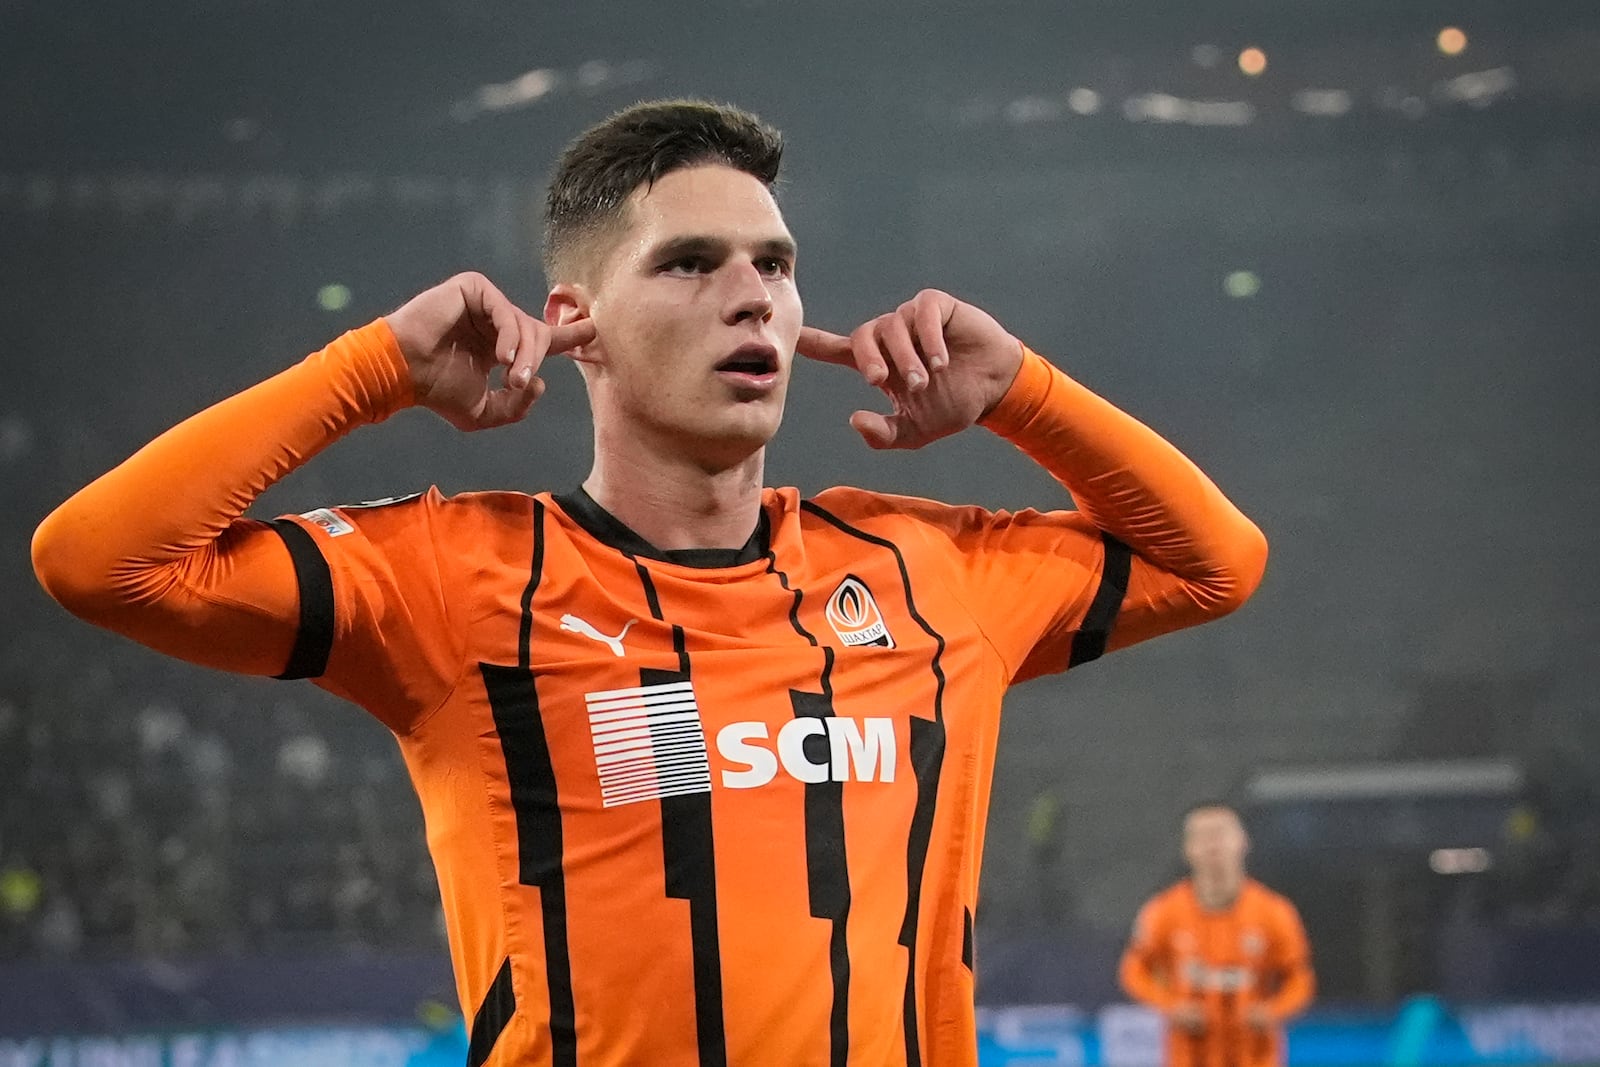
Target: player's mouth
[{"x": 752, "y": 366}]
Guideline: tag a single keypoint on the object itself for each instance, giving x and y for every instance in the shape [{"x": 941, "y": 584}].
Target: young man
[
  {"x": 1221, "y": 955},
  {"x": 704, "y": 765}
]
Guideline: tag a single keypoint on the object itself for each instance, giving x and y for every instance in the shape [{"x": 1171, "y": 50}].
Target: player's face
[
  {"x": 1214, "y": 843},
  {"x": 697, "y": 315}
]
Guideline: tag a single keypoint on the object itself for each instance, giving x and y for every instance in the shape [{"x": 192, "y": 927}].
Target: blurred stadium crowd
[{"x": 170, "y": 819}]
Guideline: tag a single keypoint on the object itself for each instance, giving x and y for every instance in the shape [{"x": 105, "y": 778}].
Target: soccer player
[
  {"x": 1221, "y": 955},
  {"x": 704, "y": 765}
]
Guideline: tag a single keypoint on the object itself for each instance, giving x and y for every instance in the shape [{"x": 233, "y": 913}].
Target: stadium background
[{"x": 1359, "y": 287}]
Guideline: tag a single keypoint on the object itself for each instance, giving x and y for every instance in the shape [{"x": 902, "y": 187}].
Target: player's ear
[{"x": 568, "y": 303}]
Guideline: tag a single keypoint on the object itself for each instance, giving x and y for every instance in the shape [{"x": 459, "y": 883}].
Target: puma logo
[{"x": 575, "y": 625}]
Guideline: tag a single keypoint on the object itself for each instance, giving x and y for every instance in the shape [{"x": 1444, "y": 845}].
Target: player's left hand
[{"x": 942, "y": 363}]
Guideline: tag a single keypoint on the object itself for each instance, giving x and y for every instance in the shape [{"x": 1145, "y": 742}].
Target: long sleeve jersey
[
  {"x": 686, "y": 807},
  {"x": 1253, "y": 953}
]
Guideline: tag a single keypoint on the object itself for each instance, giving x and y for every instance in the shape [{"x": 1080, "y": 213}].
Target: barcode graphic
[{"x": 648, "y": 743}]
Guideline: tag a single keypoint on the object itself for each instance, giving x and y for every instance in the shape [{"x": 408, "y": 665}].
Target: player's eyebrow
[
  {"x": 778, "y": 248},
  {"x": 718, "y": 248}
]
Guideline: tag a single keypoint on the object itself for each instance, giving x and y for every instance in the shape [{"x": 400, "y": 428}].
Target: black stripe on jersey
[
  {"x": 966, "y": 937},
  {"x": 532, "y": 779},
  {"x": 927, "y": 759},
  {"x": 689, "y": 856},
  {"x": 827, "y": 872},
  {"x": 313, "y": 638},
  {"x": 1089, "y": 643},
  {"x": 827, "y": 868},
  {"x": 535, "y": 571},
  {"x": 499, "y": 1005},
  {"x": 651, "y": 600},
  {"x": 794, "y": 607}
]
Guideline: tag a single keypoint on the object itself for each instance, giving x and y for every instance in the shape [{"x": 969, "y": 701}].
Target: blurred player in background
[
  {"x": 1223, "y": 957},
  {"x": 705, "y": 765}
]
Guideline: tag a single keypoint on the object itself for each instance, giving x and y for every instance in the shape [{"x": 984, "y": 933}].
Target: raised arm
[
  {"x": 1203, "y": 558},
  {"x": 157, "y": 549},
  {"x": 946, "y": 365}
]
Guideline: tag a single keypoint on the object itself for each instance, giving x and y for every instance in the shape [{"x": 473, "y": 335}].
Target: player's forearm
[
  {"x": 1140, "y": 982},
  {"x": 1293, "y": 995},
  {"x": 134, "y": 532},
  {"x": 1133, "y": 484}
]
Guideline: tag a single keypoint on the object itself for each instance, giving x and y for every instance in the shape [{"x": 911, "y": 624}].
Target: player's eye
[
  {"x": 688, "y": 265},
  {"x": 773, "y": 266}
]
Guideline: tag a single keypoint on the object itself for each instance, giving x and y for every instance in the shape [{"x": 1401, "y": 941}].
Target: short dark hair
[{"x": 607, "y": 162}]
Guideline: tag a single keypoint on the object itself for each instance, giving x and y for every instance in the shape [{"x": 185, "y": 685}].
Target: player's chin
[
  {"x": 755, "y": 388},
  {"x": 742, "y": 427},
  {"x": 754, "y": 406}
]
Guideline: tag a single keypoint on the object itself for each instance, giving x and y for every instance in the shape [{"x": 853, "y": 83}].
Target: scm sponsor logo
[{"x": 857, "y": 750}]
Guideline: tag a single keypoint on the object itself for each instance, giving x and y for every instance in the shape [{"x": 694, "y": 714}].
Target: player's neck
[
  {"x": 674, "y": 503},
  {"x": 1217, "y": 892}
]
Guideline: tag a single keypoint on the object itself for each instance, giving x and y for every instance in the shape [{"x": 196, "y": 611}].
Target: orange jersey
[
  {"x": 1253, "y": 953},
  {"x": 685, "y": 807},
  {"x": 702, "y": 807}
]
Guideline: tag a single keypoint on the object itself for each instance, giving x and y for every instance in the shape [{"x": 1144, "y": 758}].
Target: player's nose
[{"x": 748, "y": 295}]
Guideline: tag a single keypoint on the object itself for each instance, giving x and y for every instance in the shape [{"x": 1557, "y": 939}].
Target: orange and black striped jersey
[
  {"x": 1225, "y": 961},
  {"x": 695, "y": 807},
  {"x": 708, "y": 807}
]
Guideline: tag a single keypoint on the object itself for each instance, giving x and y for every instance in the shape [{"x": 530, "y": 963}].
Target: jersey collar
[{"x": 609, "y": 530}]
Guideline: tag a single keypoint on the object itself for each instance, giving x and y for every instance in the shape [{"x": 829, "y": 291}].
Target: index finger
[
  {"x": 484, "y": 300},
  {"x": 824, "y": 347},
  {"x": 929, "y": 321},
  {"x": 570, "y": 335},
  {"x": 542, "y": 339}
]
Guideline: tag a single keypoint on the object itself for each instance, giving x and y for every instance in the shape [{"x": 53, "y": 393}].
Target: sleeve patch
[{"x": 328, "y": 522}]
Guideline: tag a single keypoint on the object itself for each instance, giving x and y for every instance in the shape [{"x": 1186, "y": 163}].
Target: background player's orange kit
[
  {"x": 1225, "y": 960},
  {"x": 686, "y": 807}
]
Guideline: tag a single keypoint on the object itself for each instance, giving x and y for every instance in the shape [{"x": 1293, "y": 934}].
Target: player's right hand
[
  {"x": 456, "y": 334},
  {"x": 1187, "y": 1016}
]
